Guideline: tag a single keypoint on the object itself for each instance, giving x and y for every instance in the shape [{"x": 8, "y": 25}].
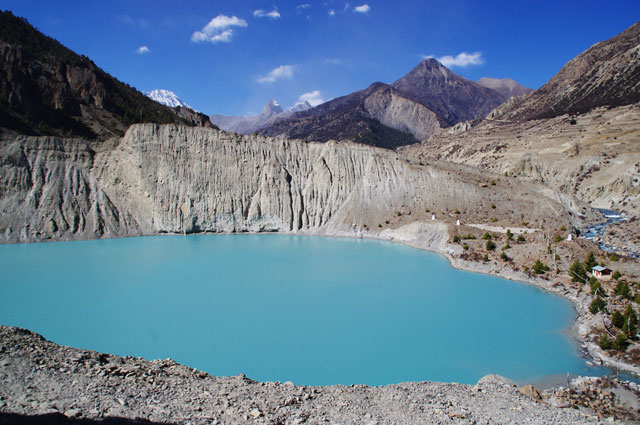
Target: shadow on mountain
[{"x": 60, "y": 419}]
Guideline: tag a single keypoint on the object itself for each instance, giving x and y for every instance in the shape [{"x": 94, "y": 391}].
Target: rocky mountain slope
[
  {"x": 46, "y": 89},
  {"x": 506, "y": 86},
  {"x": 378, "y": 116},
  {"x": 179, "y": 179},
  {"x": 594, "y": 156},
  {"x": 451, "y": 97},
  {"x": 271, "y": 112},
  {"x": 607, "y": 74},
  {"x": 418, "y": 105}
]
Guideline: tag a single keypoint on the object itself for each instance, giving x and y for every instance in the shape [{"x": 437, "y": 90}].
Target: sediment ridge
[{"x": 174, "y": 179}]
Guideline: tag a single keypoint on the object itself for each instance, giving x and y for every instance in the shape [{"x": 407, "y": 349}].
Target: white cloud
[
  {"x": 303, "y": 6},
  {"x": 332, "y": 61},
  {"x": 331, "y": 12},
  {"x": 365, "y": 8},
  {"x": 218, "y": 30},
  {"x": 260, "y": 13},
  {"x": 314, "y": 98},
  {"x": 280, "y": 73},
  {"x": 143, "y": 50},
  {"x": 462, "y": 60}
]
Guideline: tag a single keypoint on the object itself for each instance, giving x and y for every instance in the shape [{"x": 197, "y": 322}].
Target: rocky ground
[
  {"x": 41, "y": 382},
  {"x": 594, "y": 156}
]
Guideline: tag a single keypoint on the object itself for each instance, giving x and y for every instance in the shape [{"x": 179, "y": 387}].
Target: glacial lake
[{"x": 311, "y": 310}]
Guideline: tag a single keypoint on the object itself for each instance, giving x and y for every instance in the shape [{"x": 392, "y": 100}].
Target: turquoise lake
[{"x": 310, "y": 310}]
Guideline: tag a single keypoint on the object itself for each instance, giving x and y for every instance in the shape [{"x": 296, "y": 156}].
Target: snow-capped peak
[
  {"x": 167, "y": 97},
  {"x": 271, "y": 108},
  {"x": 301, "y": 106}
]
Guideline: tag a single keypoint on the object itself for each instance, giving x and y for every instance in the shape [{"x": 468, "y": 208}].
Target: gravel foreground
[{"x": 42, "y": 382}]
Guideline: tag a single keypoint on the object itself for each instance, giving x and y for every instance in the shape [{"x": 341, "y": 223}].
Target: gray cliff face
[
  {"x": 48, "y": 191},
  {"x": 178, "y": 179},
  {"x": 400, "y": 113}
]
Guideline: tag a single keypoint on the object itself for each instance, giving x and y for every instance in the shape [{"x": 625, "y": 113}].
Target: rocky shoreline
[{"x": 40, "y": 379}]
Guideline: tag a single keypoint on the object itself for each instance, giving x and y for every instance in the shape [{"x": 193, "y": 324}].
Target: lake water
[{"x": 310, "y": 310}]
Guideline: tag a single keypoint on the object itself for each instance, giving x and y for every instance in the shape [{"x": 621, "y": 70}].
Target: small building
[{"x": 601, "y": 273}]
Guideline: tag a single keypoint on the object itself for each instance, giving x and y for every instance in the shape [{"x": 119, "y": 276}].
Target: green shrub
[
  {"x": 605, "y": 342},
  {"x": 622, "y": 289},
  {"x": 539, "y": 267},
  {"x": 614, "y": 257},
  {"x": 426, "y": 210},
  {"x": 595, "y": 286},
  {"x": 558, "y": 239},
  {"x": 507, "y": 246},
  {"x": 490, "y": 245},
  {"x": 621, "y": 343},
  {"x": 486, "y": 236},
  {"x": 493, "y": 206},
  {"x": 504, "y": 256},
  {"x": 616, "y": 275},
  {"x": 509, "y": 235},
  {"x": 485, "y": 258},
  {"x": 590, "y": 261},
  {"x": 597, "y": 305},
  {"x": 521, "y": 238},
  {"x": 563, "y": 228},
  {"x": 456, "y": 239},
  {"x": 617, "y": 319},
  {"x": 465, "y": 247},
  {"x": 577, "y": 272}
]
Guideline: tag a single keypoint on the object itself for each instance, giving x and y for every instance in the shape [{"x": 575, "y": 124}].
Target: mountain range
[
  {"x": 430, "y": 97},
  {"x": 271, "y": 112}
]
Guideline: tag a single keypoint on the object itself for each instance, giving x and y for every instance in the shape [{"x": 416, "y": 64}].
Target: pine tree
[{"x": 577, "y": 272}]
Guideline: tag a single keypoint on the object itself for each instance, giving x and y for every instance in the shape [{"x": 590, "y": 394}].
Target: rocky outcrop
[{"x": 167, "y": 178}]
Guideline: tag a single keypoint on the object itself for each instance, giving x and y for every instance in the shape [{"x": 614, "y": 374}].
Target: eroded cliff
[{"x": 168, "y": 178}]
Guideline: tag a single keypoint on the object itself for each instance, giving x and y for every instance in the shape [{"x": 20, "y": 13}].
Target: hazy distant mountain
[
  {"x": 167, "y": 98},
  {"x": 606, "y": 74},
  {"x": 47, "y": 89},
  {"x": 428, "y": 98},
  {"x": 271, "y": 112},
  {"x": 505, "y": 86}
]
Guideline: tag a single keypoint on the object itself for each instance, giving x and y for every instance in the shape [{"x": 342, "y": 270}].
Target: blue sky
[{"x": 231, "y": 57}]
